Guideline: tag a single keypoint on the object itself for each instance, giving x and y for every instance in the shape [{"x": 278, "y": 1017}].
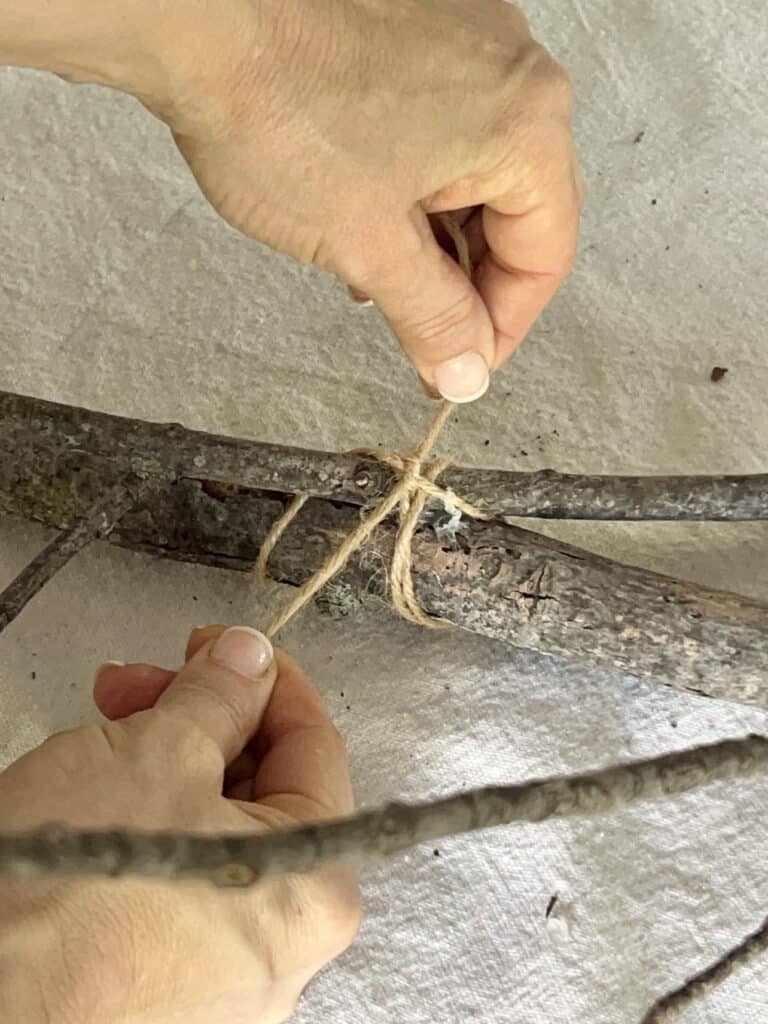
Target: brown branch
[
  {"x": 496, "y": 580},
  {"x": 242, "y": 860},
  {"x": 32, "y": 430},
  {"x": 98, "y": 522},
  {"x": 705, "y": 982}
]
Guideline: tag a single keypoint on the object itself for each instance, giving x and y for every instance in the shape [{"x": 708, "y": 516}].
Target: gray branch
[
  {"x": 668, "y": 1009},
  {"x": 498, "y": 581},
  {"x": 495, "y": 580},
  {"x": 32, "y": 430},
  {"x": 241, "y": 860},
  {"x": 96, "y": 524}
]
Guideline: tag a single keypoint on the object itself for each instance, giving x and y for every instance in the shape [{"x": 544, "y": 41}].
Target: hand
[
  {"x": 237, "y": 740},
  {"x": 333, "y": 130}
]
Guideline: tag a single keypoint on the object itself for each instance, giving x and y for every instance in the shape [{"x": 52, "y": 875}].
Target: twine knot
[{"x": 416, "y": 483}]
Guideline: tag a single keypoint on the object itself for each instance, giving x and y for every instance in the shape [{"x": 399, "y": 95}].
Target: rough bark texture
[
  {"x": 496, "y": 580},
  {"x": 242, "y": 860},
  {"x": 28, "y": 426}
]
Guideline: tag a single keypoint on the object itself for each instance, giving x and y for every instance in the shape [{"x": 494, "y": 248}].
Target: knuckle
[
  {"x": 533, "y": 108},
  {"x": 565, "y": 269},
  {"x": 431, "y": 329},
  {"x": 579, "y": 185},
  {"x": 328, "y": 906},
  {"x": 560, "y": 88},
  {"x": 343, "y": 908},
  {"x": 548, "y": 85},
  {"x": 337, "y": 739},
  {"x": 193, "y": 752},
  {"x": 349, "y": 918}
]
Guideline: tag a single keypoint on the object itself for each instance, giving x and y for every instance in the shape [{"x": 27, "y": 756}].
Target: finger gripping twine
[{"x": 416, "y": 483}]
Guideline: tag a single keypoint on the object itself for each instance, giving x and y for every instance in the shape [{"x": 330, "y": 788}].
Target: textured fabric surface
[{"x": 121, "y": 290}]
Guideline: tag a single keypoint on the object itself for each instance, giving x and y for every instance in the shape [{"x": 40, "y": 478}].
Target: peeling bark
[{"x": 497, "y": 580}]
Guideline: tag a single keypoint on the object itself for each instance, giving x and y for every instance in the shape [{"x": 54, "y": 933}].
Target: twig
[
  {"x": 38, "y": 434},
  {"x": 97, "y": 523},
  {"x": 702, "y": 984},
  {"x": 241, "y": 860}
]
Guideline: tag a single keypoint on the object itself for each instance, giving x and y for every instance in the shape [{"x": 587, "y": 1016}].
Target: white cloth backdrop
[{"x": 121, "y": 290}]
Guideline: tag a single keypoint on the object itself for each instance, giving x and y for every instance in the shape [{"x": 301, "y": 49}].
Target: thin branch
[
  {"x": 97, "y": 523},
  {"x": 668, "y": 1009},
  {"x": 34, "y": 432},
  {"x": 241, "y": 860}
]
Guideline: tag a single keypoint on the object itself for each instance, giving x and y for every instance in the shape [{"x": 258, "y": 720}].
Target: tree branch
[
  {"x": 97, "y": 523},
  {"x": 495, "y": 579},
  {"x": 241, "y": 860},
  {"x": 31, "y": 429},
  {"x": 705, "y": 982},
  {"x": 498, "y": 581}
]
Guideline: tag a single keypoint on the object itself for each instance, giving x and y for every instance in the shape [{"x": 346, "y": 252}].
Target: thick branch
[
  {"x": 34, "y": 434},
  {"x": 499, "y": 581},
  {"x": 243, "y": 860}
]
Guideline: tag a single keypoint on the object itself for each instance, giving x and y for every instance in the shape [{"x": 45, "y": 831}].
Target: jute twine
[{"x": 416, "y": 483}]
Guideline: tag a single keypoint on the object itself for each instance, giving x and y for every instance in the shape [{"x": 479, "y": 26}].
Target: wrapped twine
[{"x": 416, "y": 483}]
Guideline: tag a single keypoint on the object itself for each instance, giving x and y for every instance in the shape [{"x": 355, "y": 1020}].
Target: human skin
[
  {"x": 233, "y": 741},
  {"x": 335, "y": 131}
]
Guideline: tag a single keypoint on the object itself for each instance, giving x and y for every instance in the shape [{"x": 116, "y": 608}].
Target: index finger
[
  {"x": 303, "y": 768},
  {"x": 532, "y": 241}
]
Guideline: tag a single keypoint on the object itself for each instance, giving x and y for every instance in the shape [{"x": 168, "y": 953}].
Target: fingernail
[
  {"x": 463, "y": 379},
  {"x": 243, "y": 650},
  {"x": 359, "y": 297},
  {"x": 107, "y": 664}
]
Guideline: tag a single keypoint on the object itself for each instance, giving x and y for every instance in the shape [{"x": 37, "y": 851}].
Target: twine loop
[{"x": 415, "y": 485}]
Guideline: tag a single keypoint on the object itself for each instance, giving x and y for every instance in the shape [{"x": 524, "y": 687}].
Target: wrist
[
  {"x": 82, "y": 40},
  {"x": 141, "y": 47}
]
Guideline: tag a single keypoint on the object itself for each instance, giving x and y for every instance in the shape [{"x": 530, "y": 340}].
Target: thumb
[
  {"x": 224, "y": 689},
  {"x": 434, "y": 309}
]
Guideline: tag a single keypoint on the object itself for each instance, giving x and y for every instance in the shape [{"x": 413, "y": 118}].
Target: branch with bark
[
  {"x": 241, "y": 860},
  {"x": 97, "y": 523},
  {"x": 701, "y": 985},
  {"x": 494, "y": 579},
  {"x": 30, "y": 427}
]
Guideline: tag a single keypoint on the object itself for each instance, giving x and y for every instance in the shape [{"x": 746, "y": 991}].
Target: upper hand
[
  {"x": 221, "y": 745},
  {"x": 332, "y": 129}
]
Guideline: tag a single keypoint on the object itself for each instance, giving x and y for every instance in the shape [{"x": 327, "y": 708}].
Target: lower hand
[{"x": 237, "y": 740}]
